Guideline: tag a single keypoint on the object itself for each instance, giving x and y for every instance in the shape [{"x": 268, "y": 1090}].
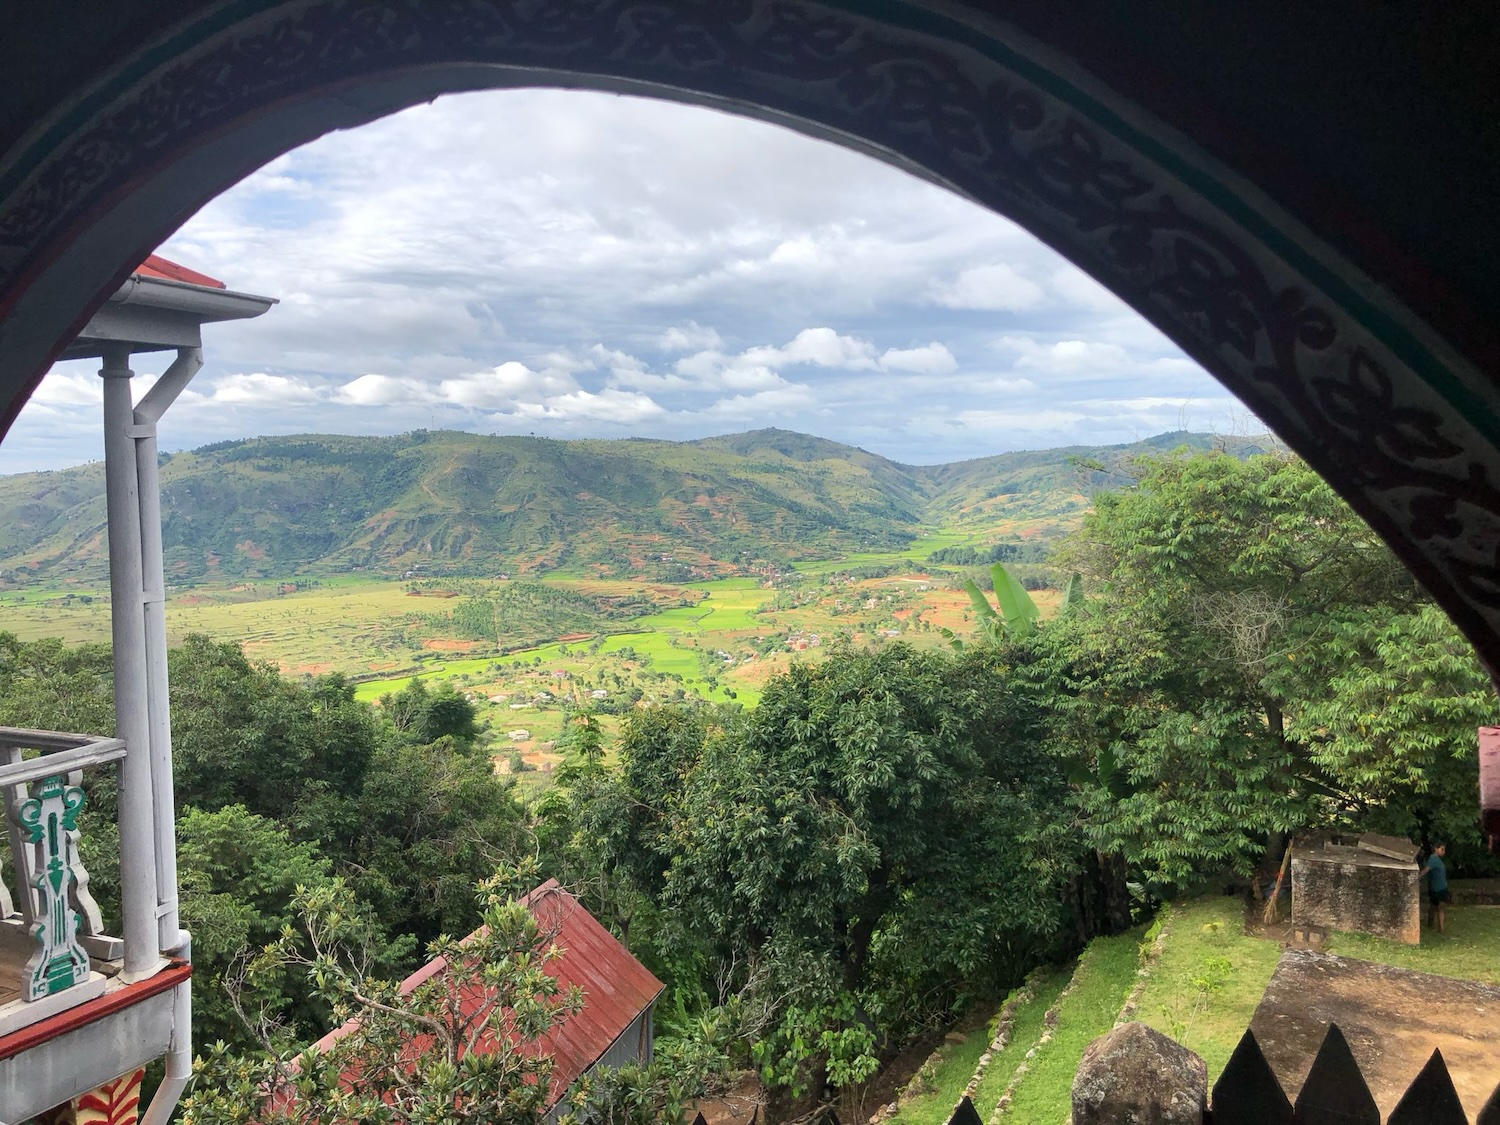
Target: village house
[{"x": 616, "y": 1025}]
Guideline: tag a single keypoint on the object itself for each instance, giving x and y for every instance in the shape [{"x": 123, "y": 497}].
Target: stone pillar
[{"x": 1137, "y": 1076}]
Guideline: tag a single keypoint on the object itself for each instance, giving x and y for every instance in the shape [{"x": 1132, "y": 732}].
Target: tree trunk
[
  {"x": 1099, "y": 898},
  {"x": 1116, "y": 893}
]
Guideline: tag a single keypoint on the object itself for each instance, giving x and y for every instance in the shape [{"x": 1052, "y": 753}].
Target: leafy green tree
[
  {"x": 48, "y": 685},
  {"x": 238, "y": 874},
  {"x": 412, "y": 1056},
  {"x": 871, "y": 841},
  {"x": 425, "y": 715},
  {"x": 1193, "y": 696},
  {"x": 1394, "y": 724},
  {"x": 425, "y": 825},
  {"x": 1016, "y": 616},
  {"x": 244, "y": 735}
]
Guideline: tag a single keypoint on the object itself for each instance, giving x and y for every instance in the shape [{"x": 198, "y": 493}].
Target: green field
[{"x": 717, "y": 640}]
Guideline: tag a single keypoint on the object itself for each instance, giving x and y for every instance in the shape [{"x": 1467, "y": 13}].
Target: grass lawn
[
  {"x": 1101, "y": 982},
  {"x": 1025, "y": 1030},
  {"x": 1209, "y": 979},
  {"x": 955, "y": 1067},
  {"x": 1469, "y": 948}
]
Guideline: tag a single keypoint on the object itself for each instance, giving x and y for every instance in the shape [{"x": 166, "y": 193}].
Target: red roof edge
[
  {"x": 157, "y": 266},
  {"x": 1489, "y": 784},
  {"x": 617, "y": 988}
]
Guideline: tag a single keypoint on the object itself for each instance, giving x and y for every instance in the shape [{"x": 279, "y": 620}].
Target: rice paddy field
[{"x": 717, "y": 640}]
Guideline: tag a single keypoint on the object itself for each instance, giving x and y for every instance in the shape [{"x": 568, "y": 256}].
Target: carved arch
[{"x": 1403, "y": 427}]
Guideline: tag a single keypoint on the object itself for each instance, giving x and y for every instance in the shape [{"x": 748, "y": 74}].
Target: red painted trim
[{"x": 87, "y": 1013}]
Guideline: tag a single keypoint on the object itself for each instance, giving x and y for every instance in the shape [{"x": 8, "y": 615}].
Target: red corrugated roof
[
  {"x": 616, "y": 987},
  {"x": 1489, "y": 784},
  {"x": 157, "y": 266}
]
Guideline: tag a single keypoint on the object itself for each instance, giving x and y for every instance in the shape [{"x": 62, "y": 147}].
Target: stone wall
[{"x": 1340, "y": 886}]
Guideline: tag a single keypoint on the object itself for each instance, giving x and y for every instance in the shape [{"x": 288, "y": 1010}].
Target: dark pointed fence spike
[
  {"x": 1430, "y": 1099},
  {"x": 1335, "y": 1092},
  {"x": 1247, "y": 1092},
  {"x": 964, "y": 1113},
  {"x": 1490, "y": 1114},
  {"x": 700, "y": 1119}
]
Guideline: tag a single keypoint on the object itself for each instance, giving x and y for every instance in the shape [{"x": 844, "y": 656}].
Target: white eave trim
[{"x": 204, "y": 304}]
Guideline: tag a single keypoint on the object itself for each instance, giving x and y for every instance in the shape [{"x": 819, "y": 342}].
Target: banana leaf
[{"x": 1016, "y": 607}]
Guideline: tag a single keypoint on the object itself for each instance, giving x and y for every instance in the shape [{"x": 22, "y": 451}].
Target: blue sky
[{"x": 587, "y": 265}]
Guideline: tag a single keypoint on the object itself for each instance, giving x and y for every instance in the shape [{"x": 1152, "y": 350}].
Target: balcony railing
[{"x": 54, "y": 953}]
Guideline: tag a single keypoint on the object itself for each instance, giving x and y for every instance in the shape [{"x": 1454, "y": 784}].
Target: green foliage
[
  {"x": 995, "y": 553},
  {"x": 412, "y": 1052},
  {"x": 815, "y": 856},
  {"x": 425, "y": 716},
  {"x": 1072, "y": 596},
  {"x": 280, "y": 784},
  {"x": 244, "y": 735},
  {"x": 519, "y": 613},
  {"x": 47, "y": 685},
  {"x": 237, "y": 875},
  {"x": 1014, "y": 620},
  {"x": 1222, "y": 685}
]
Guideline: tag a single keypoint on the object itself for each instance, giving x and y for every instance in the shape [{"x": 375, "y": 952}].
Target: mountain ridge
[{"x": 449, "y": 502}]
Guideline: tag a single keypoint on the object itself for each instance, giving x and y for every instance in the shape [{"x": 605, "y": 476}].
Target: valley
[
  {"x": 538, "y": 577},
  {"x": 718, "y": 640}
]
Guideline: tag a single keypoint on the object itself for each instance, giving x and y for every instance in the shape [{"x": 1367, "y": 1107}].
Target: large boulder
[{"x": 1137, "y": 1076}]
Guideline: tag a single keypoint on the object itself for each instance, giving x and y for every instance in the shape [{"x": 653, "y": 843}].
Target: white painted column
[
  {"x": 145, "y": 416},
  {"x": 128, "y": 630}
]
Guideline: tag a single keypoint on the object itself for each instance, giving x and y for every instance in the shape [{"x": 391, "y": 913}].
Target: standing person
[{"x": 1436, "y": 874}]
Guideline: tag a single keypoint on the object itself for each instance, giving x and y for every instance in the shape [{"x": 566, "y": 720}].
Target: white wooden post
[
  {"x": 145, "y": 416},
  {"x": 128, "y": 630}
]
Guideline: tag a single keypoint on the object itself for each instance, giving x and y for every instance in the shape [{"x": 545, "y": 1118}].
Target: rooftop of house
[
  {"x": 164, "y": 269},
  {"x": 616, "y": 987}
]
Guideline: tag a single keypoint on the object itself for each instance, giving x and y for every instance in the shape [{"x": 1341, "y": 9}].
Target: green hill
[{"x": 447, "y": 503}]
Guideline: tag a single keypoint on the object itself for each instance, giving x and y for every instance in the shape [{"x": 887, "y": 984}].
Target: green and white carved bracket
[{"x": 50, "y": 819}]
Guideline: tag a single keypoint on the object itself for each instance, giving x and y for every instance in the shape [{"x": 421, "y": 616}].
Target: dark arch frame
[{"x": 1376, "y": 400}]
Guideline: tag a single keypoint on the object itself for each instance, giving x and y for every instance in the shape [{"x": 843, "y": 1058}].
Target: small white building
[{"x": 520, "y": 734}]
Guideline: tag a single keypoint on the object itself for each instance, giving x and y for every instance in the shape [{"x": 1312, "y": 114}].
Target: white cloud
[
  {"x": 930, "y": 359},
  {"x": 993, "y": 287},
  {"x": 821, "y": 347},
  {"x": 764, "y": 404},
  {"x": 689, "y": 337},
  {"x": 379, "y": 390},
  {"x": 259, "y": 389},
  {"x": 1078, "y": 288},
  {"x": 618, "y": 408},
  {"x": 69, "y": 388},
  {"x": 578, "y": 263}
]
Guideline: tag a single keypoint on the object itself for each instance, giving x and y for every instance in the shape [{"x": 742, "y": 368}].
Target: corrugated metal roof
[
  {"x": 157, "y": 266},
  {"x": 616, "y": 987},
  {"x": 1489, "y": 783}
]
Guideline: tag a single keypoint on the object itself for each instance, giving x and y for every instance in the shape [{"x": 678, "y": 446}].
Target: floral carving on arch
[{"x": 1401, "y": 426}]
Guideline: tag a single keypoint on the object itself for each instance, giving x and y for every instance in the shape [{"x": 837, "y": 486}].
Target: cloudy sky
[{"x": 579, "y": 264}]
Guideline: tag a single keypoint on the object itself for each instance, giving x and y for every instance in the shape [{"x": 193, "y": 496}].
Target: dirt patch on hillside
[
  {"x": 316, "y": 669},
  {"x": 1392, "y": 1018},
  {"x": 736, "y": 1105},
  {"x": 437, "y": 644}
]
